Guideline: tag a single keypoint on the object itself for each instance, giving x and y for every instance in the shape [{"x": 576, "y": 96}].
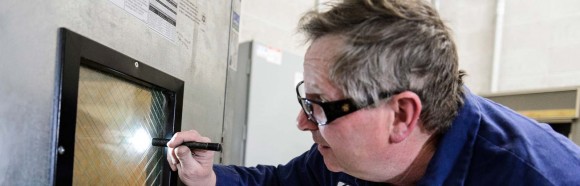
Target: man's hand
[{"x": 195, "y": 167}]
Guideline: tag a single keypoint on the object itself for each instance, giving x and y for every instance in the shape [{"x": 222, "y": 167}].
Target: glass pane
[
  {"x": 116, "y": 120},
  {"x": 318, "y": 114}
]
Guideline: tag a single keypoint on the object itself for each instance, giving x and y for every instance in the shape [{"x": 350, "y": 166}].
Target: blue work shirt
[{"x": 487, "y": 144}]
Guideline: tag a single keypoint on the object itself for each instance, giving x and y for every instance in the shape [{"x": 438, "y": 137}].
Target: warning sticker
[{"x": 160, "y": 15}]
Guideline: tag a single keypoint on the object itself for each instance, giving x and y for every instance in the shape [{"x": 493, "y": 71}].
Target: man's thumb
[{"x": 184, "y": 155}]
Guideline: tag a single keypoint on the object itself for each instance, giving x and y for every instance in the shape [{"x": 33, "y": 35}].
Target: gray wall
[
  {"x": 28, "y": 49},
  {"x": 539, "y": 47},
  {"x": 472, "y": 23},
  {"x": 274, "y": 23},
  {"x": 542, "y": 44},
  {"x": 273, "y": 137}
]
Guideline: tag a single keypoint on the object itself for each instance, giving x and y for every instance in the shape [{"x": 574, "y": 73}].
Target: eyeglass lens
[{"x": 313, "y": 110}]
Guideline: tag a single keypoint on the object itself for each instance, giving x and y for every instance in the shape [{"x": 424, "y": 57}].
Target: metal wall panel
[
  {"x": 28, "y": 56},
  {"x": 273, "y": 108},
  {"x": 235, "y": 126}
]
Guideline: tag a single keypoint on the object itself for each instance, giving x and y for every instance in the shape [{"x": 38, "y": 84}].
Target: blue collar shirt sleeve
[{"x": 490, "y": 144}]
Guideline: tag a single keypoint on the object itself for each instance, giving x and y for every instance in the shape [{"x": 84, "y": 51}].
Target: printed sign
[{"x": 270, "y": 54}]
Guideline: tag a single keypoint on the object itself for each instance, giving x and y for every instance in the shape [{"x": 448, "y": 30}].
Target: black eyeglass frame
[{"x": 334, "y": 109}]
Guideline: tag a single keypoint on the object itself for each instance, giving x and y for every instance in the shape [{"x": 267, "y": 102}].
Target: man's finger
[
  {"x": 185, "y": 158},
  {"x": 170, "y": 157},
  {"x": 180, "y": 137}
]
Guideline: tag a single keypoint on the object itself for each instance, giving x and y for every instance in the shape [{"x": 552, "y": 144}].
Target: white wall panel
[
  {"x": 541, "y": 45},
  {"x": 472, "y": 25}
]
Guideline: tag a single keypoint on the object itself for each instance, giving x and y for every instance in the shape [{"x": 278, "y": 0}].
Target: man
[{"x": 383, "y": 98}]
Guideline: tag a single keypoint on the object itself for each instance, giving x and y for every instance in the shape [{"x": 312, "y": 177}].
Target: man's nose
[{"x": 304, "y": 124}]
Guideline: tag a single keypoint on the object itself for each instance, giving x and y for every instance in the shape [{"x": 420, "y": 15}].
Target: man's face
[{"x": 356, "y": 143}]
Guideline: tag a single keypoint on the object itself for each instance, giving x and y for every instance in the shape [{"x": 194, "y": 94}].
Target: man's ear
[{"x": 407, "y": 107}]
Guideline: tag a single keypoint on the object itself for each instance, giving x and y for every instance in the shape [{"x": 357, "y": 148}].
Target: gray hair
[{"x": 393, "y": 46}]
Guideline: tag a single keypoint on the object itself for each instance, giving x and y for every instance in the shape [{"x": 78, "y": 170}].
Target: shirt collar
[{"x": 449, "y": 165}]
